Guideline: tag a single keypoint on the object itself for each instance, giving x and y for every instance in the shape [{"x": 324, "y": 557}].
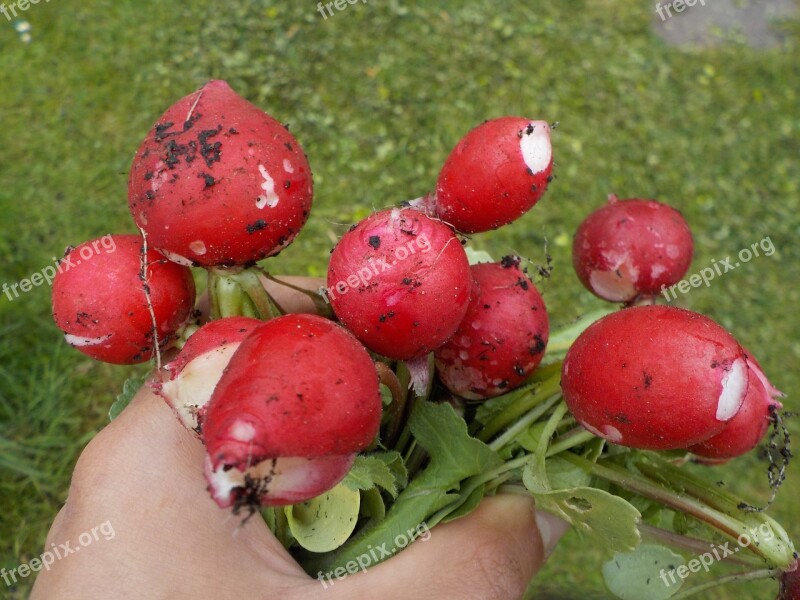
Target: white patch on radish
[
  {"x": 611, "y": 286},
  {"x": 287, "y": 166},
  {"x": 198, "y": 247},
  {"x": 535, "y": 147},
  {"x": 463, "y": 355},
  {"x": 657, "y": 270},
  {"x": 243, "y": 431},
  {"x": 269, "y": 197},
  {"x": 176, "y": 258},
  {"x": 476, "y": 325},
  {"x": 291, "y": 479},
  {"x": 77, "y": 341},
  {"x": 191, "y": 389},
  {"x": 673, "y": 251},
  {"x": 612, "y": 433},
  {"x": 734, "y": 387}
]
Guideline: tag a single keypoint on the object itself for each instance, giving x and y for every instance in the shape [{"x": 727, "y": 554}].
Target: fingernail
[{"x": 551, "y": 528}]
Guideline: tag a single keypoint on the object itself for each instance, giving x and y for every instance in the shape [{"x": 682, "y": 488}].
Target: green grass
[{"x": 378, "y": 94}]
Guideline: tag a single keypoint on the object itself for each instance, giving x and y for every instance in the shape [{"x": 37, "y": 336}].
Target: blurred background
[{"x": 698, "y": 108}]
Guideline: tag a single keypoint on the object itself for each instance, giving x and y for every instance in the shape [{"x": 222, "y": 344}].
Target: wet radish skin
[
  {"x": 297, "y": 386},
  {"x": 413, "y": 287},
  {"x": 631, "y": 248},
  {"x": 502, "y": 338},
  {"x": 217, "y": 181},
  {"x": 655, "y": 377},
  {"x": 100, "y": 303},
  {"x": 495, "y": 174}
]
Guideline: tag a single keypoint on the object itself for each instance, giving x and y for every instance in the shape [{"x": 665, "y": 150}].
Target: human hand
[{"x": 142, "y": 477}]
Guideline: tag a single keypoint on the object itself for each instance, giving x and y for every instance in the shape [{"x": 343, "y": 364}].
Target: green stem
[
  {"x": 527, "y": 399},
  {"x": 735, "y": 578},
  {"x": 573, "y": 438},
  {"x": 729, "y": 526},
  {"x": 525, "y": 422},
  {"x": 323, "y": 307},
  {"x": 252, "y": 286},
  {"x": 694, "y": 545}
]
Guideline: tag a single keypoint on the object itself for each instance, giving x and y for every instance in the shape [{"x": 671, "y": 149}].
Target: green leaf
[
  {"x": 454, "y": 456},
  {"x": 494, "y": 406},
  {"x": 370, "y": 471},
  {"x": 610, "y": 519},
  {"x": 470, "y": 503},
  {"x": 477, "y": 256},
  {"x": 129, "y": 389},
  {"x": 564, "y": 475},
  {"x": 324, "y": 523},
  {"x": 643, "y": 573},
  {"x": 372, "y": 504}
]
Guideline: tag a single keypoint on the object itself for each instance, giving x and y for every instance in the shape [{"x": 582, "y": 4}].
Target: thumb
[{"x": 492, "y": 554}]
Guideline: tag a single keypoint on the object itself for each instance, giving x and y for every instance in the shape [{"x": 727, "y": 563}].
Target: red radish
[
  {"x": 193, "y": 374},
  {"x": 218, "y": 181},
  {"x": 655, "y": 377},
  {"x": 99, "y": 299},
  {"x": 400, "y": 282},
  {"x": 495, "y": 174},
  {"x": 502, "y": 338},
  {"x": 631, "y": 248},
  {"x": 744, "y": 431},
  {"x": 299, "y": 398}
]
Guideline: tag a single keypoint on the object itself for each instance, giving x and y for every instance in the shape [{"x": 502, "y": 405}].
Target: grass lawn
[{"x": 378, "y": 94}]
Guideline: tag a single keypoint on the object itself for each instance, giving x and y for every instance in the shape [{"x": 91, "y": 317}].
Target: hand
[{"x": 139, "y": 484}]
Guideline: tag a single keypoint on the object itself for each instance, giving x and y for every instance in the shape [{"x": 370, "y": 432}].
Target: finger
[
  {"x": 143, "y": 476},
  {"x": 490, "y": 555}
]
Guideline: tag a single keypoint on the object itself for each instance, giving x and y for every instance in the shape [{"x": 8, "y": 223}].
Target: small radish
[
  {"x": 495, "y": 174},
  {"x": 99, "y": 299},
  {"x": 299, "y": 398},
  {"x": 655, "y": 377},
  {"x": 502, "y": 338},
  {"x": 631, "y": 248},
  {"x": 218, "y": 181},
  {"x": 192, "y": 375},
  {"x": 744, "y": 431},
  {"x": 400, "y": 281}
]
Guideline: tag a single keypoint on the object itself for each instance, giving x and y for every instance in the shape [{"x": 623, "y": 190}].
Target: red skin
[
  {"x": 212, "y": 335},
  {"x": 744, "y": 431},
  {"x": 652, "y": 377},
  {"x": 406, "y": 303},
  {"x": 631, "y": 248},
  {"x": 197, "y": 187},
  {"x": 304, "y": 384},
  {"x": 101, "y": 298},
  {"x": 486, "y": 182},
  {"x": 502, "y": 338},
  {"x": 790, "y": 583}
]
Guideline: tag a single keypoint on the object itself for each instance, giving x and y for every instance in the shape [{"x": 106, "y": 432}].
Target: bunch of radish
[{"x": 423, "y": 354}]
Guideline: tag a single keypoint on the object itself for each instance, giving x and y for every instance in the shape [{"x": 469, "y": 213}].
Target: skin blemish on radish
[
  {"x": 734, "y": 386},
  {"x": 242, "y": 431},
  {"x": 269, "y": 197},
  {"x": 287, "y": 166},
  {"x": 177, "y": 258},
  {"x": 81, "y": 342},
  {"x": 535, "y": 146},
  {"x": 612, "y": 285},
  {"x": 657, "y": 270},
  {"x": 612, "y": 433},
  {"x": 198, "y": 247}
]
